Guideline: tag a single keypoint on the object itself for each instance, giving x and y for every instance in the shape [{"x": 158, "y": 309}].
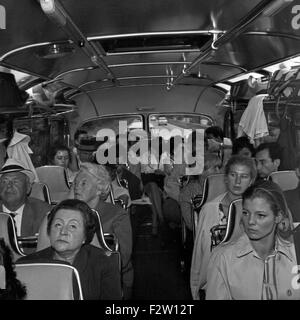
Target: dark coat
[
  {"x": 99, "y": 274},
  {"x": 33, "y": 214}
]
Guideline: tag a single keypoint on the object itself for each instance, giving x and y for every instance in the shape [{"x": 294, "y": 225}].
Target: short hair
[
  {"x": 87, "y": 214},
  {"x": 273, "y": 147},
  {"x": 55, "y": 148},
  {"x": 100, "y": 173},
  {"x": 241, "y": 143},
  {"x": 241, "y": 160},
  {"x": 216, "y": 131},
  {"x": 271, "y": 192}
]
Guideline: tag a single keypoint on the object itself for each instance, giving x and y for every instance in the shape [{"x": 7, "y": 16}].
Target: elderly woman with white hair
[{"x": 91, "y": 185}]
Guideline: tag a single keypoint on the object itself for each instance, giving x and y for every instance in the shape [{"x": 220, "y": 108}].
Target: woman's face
[
  {"x": 61, "y": 158},
  {"x": 258, "y": 219},
  {"x": 238, "y": 179},
  {"x": 67, "y": 233}
]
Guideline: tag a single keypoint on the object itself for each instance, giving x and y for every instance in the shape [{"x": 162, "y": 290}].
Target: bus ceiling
[{"x": 76, "y": 48}]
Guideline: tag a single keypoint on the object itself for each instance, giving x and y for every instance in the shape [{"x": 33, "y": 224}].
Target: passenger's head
[
  {"x": 79, "y": 134},
  {"x": 265, "y": 212},
  {"x": 215, "y": 133},
  {"x": 267, "y": 157},
  {"x": 60, "y": 155},
  {"x": 240, "y": 173},
  {"x": 71, "y": 223},
  {"x": 15, "y": 184},
  {"x": 91, "y": 183},
  {"x": 242, "y": 146}
]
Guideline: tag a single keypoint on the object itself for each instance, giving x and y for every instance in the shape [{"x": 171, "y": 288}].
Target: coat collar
[{"x": 244, "y": 247}]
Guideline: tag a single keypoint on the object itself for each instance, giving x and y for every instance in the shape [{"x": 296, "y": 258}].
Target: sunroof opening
[{"x": 154, "y": 43}]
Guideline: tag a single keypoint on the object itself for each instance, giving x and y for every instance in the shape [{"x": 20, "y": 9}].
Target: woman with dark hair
[
  {"x": 60, "y": 155},
  {"x": 10, "y": 287},
  {"x": 259, "y": 264},
  {"x": 71, "y": 227}
]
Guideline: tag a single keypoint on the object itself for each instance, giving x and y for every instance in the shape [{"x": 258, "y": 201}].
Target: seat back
[
  {"x": 8, "y": 233},
  {"x": 287, "y": 180},
  {"x": 49, "y": 281},
  {"x": 55, "y": 177},
  {"x": 231, "y": 220},
  {"x": 40, "y": 190},
  {"x": 214, "y": 185}
]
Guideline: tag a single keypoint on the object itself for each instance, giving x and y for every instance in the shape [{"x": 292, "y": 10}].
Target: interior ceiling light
[
  {"x": 52, "y": 9},
  {"x": 55, "y": 51}
]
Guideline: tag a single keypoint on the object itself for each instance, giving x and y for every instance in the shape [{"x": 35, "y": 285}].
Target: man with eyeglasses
[
  {"x": 267, "y": 157},
  {"x": 15, "y": 187}
]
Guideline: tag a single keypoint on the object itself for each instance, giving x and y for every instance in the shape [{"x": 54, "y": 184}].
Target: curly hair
[{"x": 14, "y": 289}]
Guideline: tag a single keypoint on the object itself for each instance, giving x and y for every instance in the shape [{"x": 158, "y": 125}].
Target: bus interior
[{"x": 69, "y": 65}]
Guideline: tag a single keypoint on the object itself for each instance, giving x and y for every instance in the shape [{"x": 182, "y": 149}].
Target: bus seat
[
  {"x": 8, "y": 233},
  {"x": 287, "y": 180},
  {"x": 40, "y": 190},
  {"x": 49, "y": 281},
  {"x": 231, "y": 220},
  {"x": 55, "y": 177},
  {"x": 213, "y": 186}
]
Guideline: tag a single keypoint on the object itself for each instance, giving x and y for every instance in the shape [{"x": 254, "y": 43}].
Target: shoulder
[
  {"x": 99, "y": 256},
  {"x": 38, "y": 203},
  {"x": 106, "y": 208},
  {"x": 40, "y": 256}
]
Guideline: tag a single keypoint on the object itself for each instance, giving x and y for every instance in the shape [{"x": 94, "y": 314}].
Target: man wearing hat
[{"x": 15, "y": 186}]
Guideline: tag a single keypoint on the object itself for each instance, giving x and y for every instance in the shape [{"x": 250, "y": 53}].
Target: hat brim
[{"x": 28, "y": 173}]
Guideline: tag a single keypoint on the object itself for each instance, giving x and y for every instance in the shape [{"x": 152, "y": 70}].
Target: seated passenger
[
  {"x": 15, "y": 186},
  {"x": 71, "y": 227},
  {"x": 119, "y": 192},
  {"x": 259, "y": 264},
  {"x": 293, "y": 196},
  {"x": 243, "y": 147},
  {"x": 216, "y": 142},
  {"x": 174, "y": 170},
  {"x": 240, "y": 173},
  {"x": 212, "y": 164},
  {"x": 92, "y": 186},
  {"x": 60, "y": 155},
  {"x": 267, "y": 156}
]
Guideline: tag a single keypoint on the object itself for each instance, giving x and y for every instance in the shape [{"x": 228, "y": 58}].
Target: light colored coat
[
  {"x": 235, "y": 272},
  {"x": 209, "y": 217}
]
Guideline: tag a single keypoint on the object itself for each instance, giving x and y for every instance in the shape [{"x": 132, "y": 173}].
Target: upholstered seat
[
  {"x": 55, "y": 177},
  {"x": 8, "y": 233},
  {"x": 40, "y": 190},
  {"x": 49, "y": 281},
  {"x": 287, "y": 180}
]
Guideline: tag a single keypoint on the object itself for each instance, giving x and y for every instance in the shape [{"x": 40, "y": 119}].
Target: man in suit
[
  {"x": 92, "y": 186},
  {"x": 293, "y": 196},
  {"x": 15, "y": 186}
]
